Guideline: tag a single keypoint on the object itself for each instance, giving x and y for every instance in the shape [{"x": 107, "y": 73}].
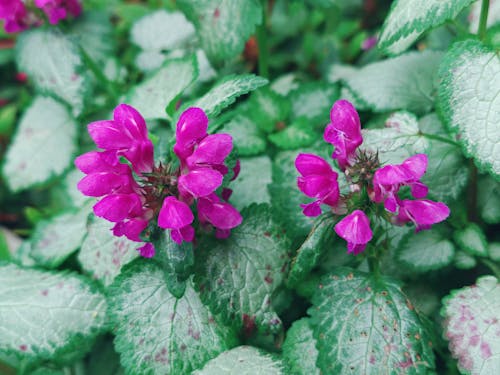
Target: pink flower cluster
[
  {"x": 18, "y": 17},
  {"x": 318, "y": 180},
  {"x": 136, "y": 192}
]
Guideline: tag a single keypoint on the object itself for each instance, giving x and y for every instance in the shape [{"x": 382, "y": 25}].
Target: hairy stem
[
  {"x": 472, "y": 192},
  {"x": 101, "y": 78},
  {"x": 485, "y": 6},
  {"x": 262, "y": 43}
]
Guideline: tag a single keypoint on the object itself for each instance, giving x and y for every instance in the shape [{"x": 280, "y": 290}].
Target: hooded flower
[
  {"x": 136, "y": 192},
  {"x": 57, "y": 10},
  {"x": 355, "y": 229},
  {"x": 14, "y": 14},
  {"x": 344, "y": 132},
  {"x": 423, "y": 213}
]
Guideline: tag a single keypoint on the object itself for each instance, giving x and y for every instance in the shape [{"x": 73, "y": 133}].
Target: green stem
[
  {"x": 373, "y": 265},
  {"x": 485, "y": 6},
  {"x": 101, "y": 78},
  {"x": 440, "y": 139},
  {"x": 262, "y": 43},
  {"x": 472, "y": 192},
  {"x": 492, "y": 266}
]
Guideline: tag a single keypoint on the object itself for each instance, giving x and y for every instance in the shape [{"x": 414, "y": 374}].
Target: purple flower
[
  {"x": 131, "y": 200},
  {"x": 14, "y": 14},
  {"x": 388, "y": 180},
  {"x": 344, "y": 132},
  {"x": 57, "y": 10},
  {"x": 369, "y": 43},
  {"x": 317, "y": 180},
  {"x": 355, "y": 229},
  {"x": 423, "y": 213}
]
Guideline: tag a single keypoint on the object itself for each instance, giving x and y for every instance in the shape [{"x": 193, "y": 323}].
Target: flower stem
[
  {"x": 472, "y": 192},
  {"x": 439, "y": 138},
  {"x": 262, "y": 43},
  {"x": 373, "y": 265},
  {"x": 105, "y": 82},
  {"x": 485, "y": 6},
  {"x": 492, "y": 266}
]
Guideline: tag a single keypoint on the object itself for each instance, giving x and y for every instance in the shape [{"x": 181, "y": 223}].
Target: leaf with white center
[
  {"x": 469, "y": 101},
  {"x": 102, "y": 255},
  {"x": 299, "y": 134},
  {"x": 472, "y": 326},
  {"x": 425, "y": 251},
  {"x": 156, "y": 93},
  {"x": 408, "y": 19},
  {"x": 94, "y": 33},
  {"x": 243, "y": 360},
  {"x": 47, "y": 315},
  {"x": 268, "y": 109},
  {"x": 319, "y": 241},
  {"x": 489, "y": 199},
  {"x": 238, "y": 277},
  {"x": 472, "y": 240},
  {"x": 162, "y": 30},
  {"x": 475, "y": 14},
  {"x": 247, "y": 136},
  {"x": 404, "y": 82},
  {"x": 225, "y": 92},
  {"x": 251, "y": 184},
  {"x": 364, "y": 324},
  {"x": 299, "y": 349},
  {"x": 314, "y": 101},
  {"x": 69, "y": 183},
  {"x": 494, "y": 251},
  {"x": 223, "y": 26},
  {"x": 55, "y": 239},
  {"x": 464, "y": 261},
  {"x": 285, "y": 84},
  {"x": 157, "y": 333},
  {"x": 43, "y": 145},
  {"x": 53, "y": 63},
  {"x": 399, "y": 140}
]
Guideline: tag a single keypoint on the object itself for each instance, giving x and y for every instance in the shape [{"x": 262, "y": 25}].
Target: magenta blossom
[
  {"x": 355, "y": 229},
  {"x": 317, "y": 180},
  {"x": 423, "y": 213},
  {"x": 57, "y": 10},
  {"x": 14, "y": 14},
  {"x": 135, "y": 192},
  {"x": 344, "y": 132}
]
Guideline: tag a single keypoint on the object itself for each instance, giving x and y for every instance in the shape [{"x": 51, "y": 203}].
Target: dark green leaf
[
  {"x": 472, "y": 240},
  {"x": 299, "y": 349},
  {"x": 299, "y": 134}
]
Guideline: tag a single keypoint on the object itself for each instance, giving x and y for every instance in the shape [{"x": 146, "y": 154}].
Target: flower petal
[
  {"x": 200, "y": 182},
  {"x": 355, "y": 228},
  {"x": 174, "y": 214},
  {"x": 147, "y": 250},
  {"x": 308, "y": 164},
  {"x": 212, "y": 150},
  {"x": 117, "y": 207},
  {"x": 131, "y": 121},
  {"x": 109, "y": 135}
]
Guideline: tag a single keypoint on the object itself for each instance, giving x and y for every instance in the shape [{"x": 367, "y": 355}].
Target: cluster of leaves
[{"x": 280, "y": 295}]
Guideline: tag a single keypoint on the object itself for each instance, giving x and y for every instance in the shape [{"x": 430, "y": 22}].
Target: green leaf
[
  {"x": 472, "y": 240},
  {"x": 43, "y": 145},
  {"x": 55, "y": 239},
  {"x": 408, "y": 19},
  {"x": 299, "y": 349},
  {"x": 251, "y": 184},
  {"x": 223, "y": 26},
  {"x": 244, "y": 360},
  {"x": 286, "y": 197},
  {"x": 102, "y": 254},
  {"x": 317, "y": 243},
  {"x": 471, "y": 326},
  {"x": 176, "y": 261},
  {"x": 376, "y": 86},
  {"x": 469, "y": 100},
  {"x": 425, "y": 251},
  {"x": 162, "y": 30},
  {"x": 299, "y": 134},
  {"x": 69, "y": 184},
  {"x": 157, "y": 333},
  {"x": 399, "y": 140},
  {"x": 494, "y": 251},
  {"x": 489, "y": 199},
  {"x": 247, "y": 136},
  {"x": 267, "y": 108},
  {"x": 47, "y": 315},
  {"x": 225, "y": 92},
  {"x": 156, "y": 93},
  {"x": 464, "y": 261},
  {"x": 53, "y": 63},
  {"x": 314, "y": 100},
  {"x": 94, "y": 33},
  {"x": 365, "y": 324},
  {"x": 238, "y": 277}
]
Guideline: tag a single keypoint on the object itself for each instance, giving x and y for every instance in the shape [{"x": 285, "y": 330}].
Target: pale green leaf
[
  {"x": 472, "y": 240},
  {"x": 469, "y": 101},
  {"x": 47, "y": 315},
  {"x": 408, "y": 19},
  {"x": 156, "y": 93},
  {"x": 314, "y": 101},
  {"x": 471, "y": 325},
  {"x": 247, "y": 136},
  {"x": 464, "y": 261},
  {"x": 299, "y": 349},
  {"x": 157, "y": 333},
  {"x": 494, "y": 251},
  {"x": 299, "y": 134},
  {"x": 404, "y": 82},
  {"x": 102, "y": 254},
  {"x": 43, "y": 145},
  {"x": 243, "y": 360},
  {"x": 489, "y": 199},
  {"x": 364, "y": 324},
  {"x": 425, "y": 251},
  {"x": 53, "y": 63},
  {"x": 223, "y": 26}
]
